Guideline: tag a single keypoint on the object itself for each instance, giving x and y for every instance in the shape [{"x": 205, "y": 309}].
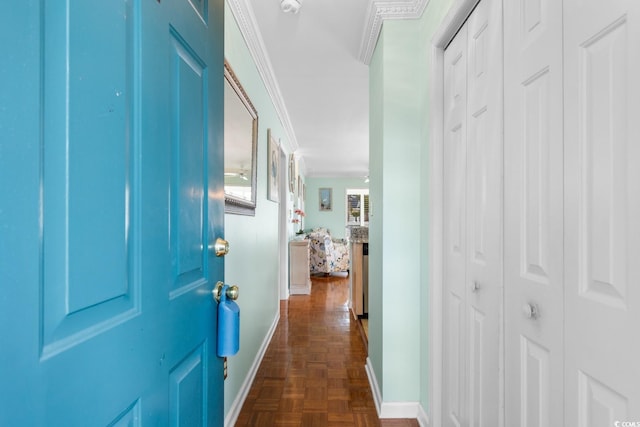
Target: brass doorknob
[
  {"x": 232, "y": 292},
  {"x": 221, "y": 247}
]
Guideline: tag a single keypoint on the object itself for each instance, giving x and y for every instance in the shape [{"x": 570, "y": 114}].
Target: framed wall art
[
  {"x": 292, "y": 173},
  {"x": 273, "y": 167},
  {"x": 326, "y": 199}
]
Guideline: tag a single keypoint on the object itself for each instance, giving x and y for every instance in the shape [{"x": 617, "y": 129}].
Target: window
[{"x": 357, "y": 206}]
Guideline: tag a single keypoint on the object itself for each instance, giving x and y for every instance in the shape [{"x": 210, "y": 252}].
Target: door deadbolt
[{"x": 220, "y": 247}]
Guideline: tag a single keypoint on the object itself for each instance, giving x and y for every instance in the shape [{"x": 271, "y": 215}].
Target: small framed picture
[
  {"x": 292, "y": 173},
  {"x": 326, "y": 199},
  {"x": 273, "y": 167}
]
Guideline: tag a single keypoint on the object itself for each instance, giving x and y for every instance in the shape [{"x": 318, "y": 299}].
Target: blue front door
[{"x": 110, "y": 197}]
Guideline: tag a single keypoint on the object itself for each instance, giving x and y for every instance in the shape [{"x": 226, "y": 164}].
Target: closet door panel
[
  {"x": 602, "y": 211},
  {"x": 484, "y": 213},
  {"x": 455, "y": 165},
  {"x": 533, "y": 224}
]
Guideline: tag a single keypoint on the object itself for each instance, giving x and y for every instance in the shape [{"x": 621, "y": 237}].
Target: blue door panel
[
  {"x": 88, "y": 281},
  {"x": 188, "y": 380},
  {"x": 194, "y": 380},
  {"x": 188, "y": 179},
  {"x": 20, "y": 95},
  {"x": 111, "y": 172},
  {"x": 130, "y": 417}
]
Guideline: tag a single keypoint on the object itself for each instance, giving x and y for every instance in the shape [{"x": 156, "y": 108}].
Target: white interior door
[
  {"x": 602, "y": 211},
  {"x": 473, "y": 220},
  {"x": 484, "y": 213},
  {"x": 533, "y": 258},
  {"x": 571, "y": 216},
  {"x": 454, "y": 232}
]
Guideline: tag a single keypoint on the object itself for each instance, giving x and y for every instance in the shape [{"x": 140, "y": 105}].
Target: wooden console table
[{"x": 358, "y": 279}]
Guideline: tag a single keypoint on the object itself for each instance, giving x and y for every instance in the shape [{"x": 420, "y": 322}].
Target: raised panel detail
[
  {"x": 130, "y": 417},
  {"x": 536, "y": 172},
  {"x": 188, "y": 390},
  {"x": 478, "y": 185},
  {"x": 455, "y": 364},
  {"x": 531, "y": 15},
  {"x": 603, "y": 99},
  {"x": 599, "y": 405},
  {"x": 459, "y": 80},
  {"x": 534, "y": 383},
  {"x": 457, "y": 195},
  {"x": 188, "y": 177},
  {"x": 201, "y": 7},
  {"x": 88, "y": 282},
  {"x": 479, "y": 51},
  {"x": 476, "y": 359}
]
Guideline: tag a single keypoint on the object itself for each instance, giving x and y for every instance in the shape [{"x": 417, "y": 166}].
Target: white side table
[{"x": 299, "y": 275}]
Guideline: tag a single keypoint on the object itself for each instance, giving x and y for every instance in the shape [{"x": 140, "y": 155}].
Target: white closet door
[
  {"x": 533, "y": 258},
  {"x": 602, "y": 211},
  {"x": 454, "y": 233},
  {"x": 473, "y": 221},
  {"x": 484, "y": 213}
]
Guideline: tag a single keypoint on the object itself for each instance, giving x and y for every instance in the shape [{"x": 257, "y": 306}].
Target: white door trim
[
  {"x": 283, "y": 231},
  {"x": 448, "y": 28}
]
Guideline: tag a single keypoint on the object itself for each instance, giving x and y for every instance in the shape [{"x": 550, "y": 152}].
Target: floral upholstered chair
[{"x": 327, "y": 255}]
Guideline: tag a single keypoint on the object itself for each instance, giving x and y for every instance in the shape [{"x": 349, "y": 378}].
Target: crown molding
[
  {"x": 244, "y": 16},
  {"x": 380, "y": 11}
]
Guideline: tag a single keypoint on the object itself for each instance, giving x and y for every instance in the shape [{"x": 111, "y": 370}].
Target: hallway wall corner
[{"x": 390, "y": 410}]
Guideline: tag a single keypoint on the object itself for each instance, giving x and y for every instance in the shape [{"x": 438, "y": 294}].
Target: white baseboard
[
  {"x": 373, "y": 382},
  {"x": 423, "y": 418},
  {"x": 394, "y": 409},
  {"x": 399, "y": 410},
  {"x": 235, "y": 408}
]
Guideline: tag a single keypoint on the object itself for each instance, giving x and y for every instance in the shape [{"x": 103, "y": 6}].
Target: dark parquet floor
[{"x": 313, "y": 371}]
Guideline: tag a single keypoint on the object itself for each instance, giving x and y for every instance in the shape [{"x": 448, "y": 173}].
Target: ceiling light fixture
[
  {"x": 240, "y": 175},
  {"x": 292, "y": 6}
]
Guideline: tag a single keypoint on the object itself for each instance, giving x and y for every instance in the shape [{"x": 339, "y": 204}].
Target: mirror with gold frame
[{"x": 240, "y": 147}]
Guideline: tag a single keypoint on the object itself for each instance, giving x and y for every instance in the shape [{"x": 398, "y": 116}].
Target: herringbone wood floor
[{"x": 313, "y": 372}]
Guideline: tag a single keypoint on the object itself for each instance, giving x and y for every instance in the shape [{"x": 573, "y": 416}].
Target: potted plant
[{"x": 300, "y": 214}]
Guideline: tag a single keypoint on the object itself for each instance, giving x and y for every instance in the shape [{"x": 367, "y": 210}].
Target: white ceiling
[
  {"x": 314, "y": 55},
  {"x": 314, "y": 64}
]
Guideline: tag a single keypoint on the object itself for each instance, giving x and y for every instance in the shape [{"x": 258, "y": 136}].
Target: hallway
[{"x": 313, "y": 371}]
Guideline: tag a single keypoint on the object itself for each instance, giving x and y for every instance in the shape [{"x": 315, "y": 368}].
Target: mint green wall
[
  {"x": 436, "y": 10},
  {"x": 399, "y": 129},
  {"x": 334, "y": 220},
  {"x": 396, "y": 189},
  {"x": 376, "y": 216},
  {"x": 252, "y": 262}
]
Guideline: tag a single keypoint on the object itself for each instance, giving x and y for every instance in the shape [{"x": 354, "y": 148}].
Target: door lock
[
  {"x": 232, "y": 292},
  {"x": 220, "y": 247}
]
